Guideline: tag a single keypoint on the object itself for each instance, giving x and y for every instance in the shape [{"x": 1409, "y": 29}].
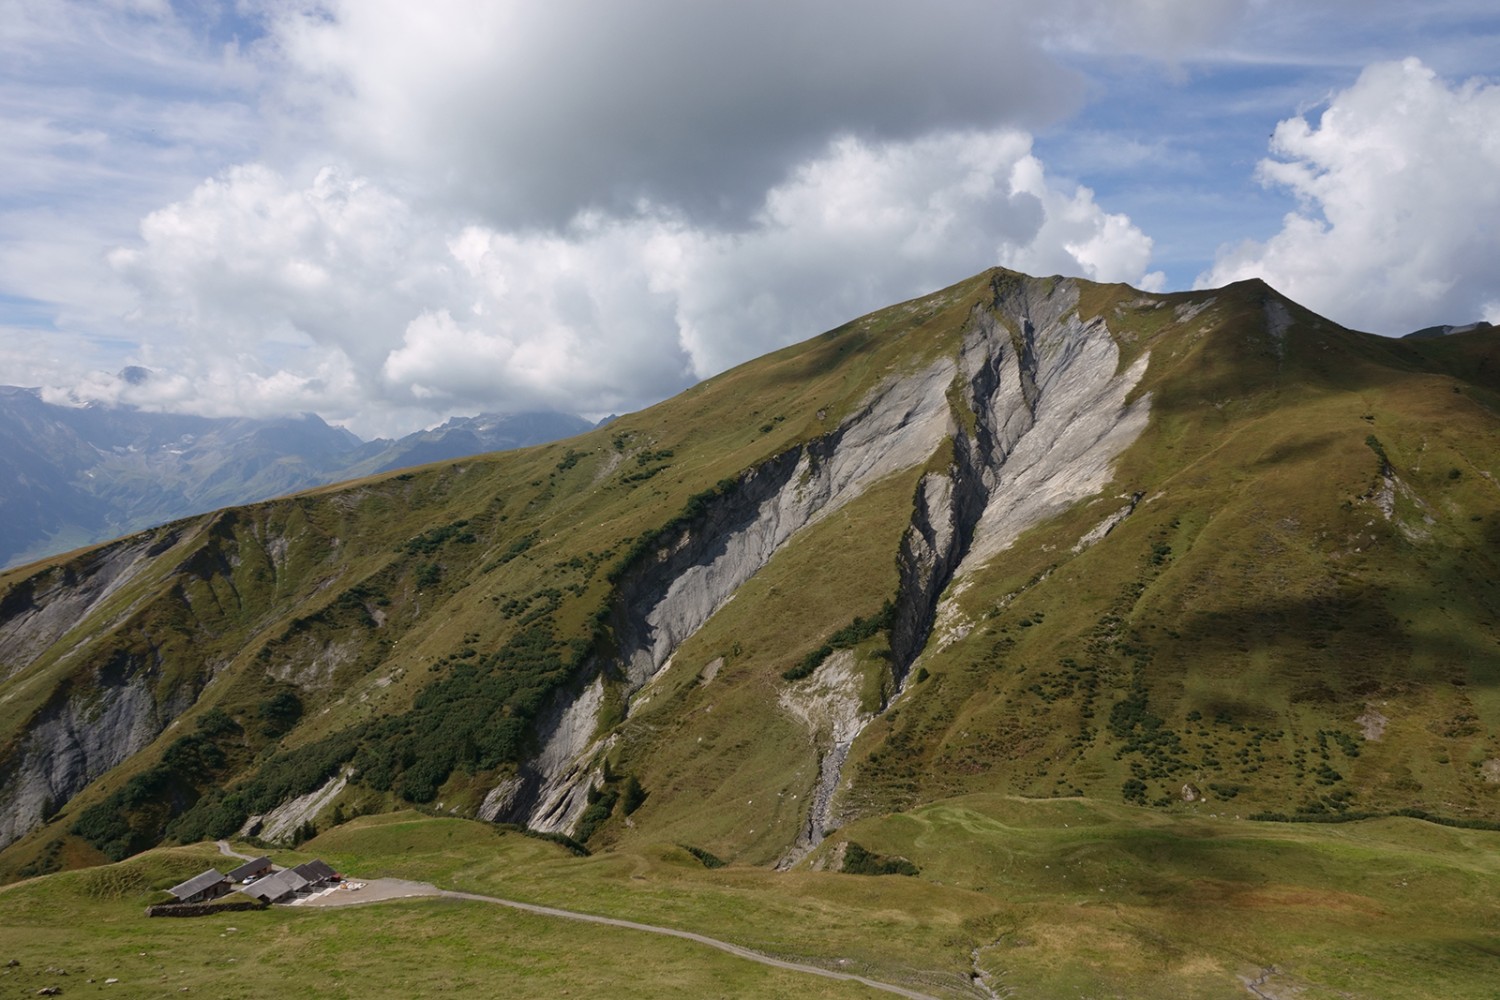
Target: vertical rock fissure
[
  {"x": 1040, "y": 412},
  {"x": 692, "y": 570},
  {"x": 949, "y": 504},
  {"x": 1024, "y": 341},
  {"x": 946, "y": 509}
]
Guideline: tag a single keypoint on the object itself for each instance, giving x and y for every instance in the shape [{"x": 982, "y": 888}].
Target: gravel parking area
[{"x": 371, "y": 891}]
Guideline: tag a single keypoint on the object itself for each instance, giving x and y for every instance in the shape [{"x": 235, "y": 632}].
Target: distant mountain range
[
  {"x": 1431, "y": 332},
  {"x": 72, "y": 476}
]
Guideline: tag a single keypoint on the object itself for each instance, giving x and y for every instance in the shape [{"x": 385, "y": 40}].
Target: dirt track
[
  {"x": 378, "y": 890},
  {"x": 381, "y": 889}
]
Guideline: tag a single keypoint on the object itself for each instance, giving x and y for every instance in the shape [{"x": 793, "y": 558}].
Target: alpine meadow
[{"x": 1032, "y": 638}]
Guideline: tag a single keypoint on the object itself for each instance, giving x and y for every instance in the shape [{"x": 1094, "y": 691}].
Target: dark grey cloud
[{"x": 531, "y": 112}]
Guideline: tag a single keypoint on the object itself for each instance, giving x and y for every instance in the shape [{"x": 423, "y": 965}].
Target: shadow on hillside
[
  {"x": 1441, "y": 629},
  {"x": 830, "y": 351},
  {"x": 1239, "y": 362},
  {"x": 1310, "y": 448}
]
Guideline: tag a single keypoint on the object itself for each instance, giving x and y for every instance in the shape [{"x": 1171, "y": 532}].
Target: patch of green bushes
[
  {"x": 847, "y": 637},
  {"x": 279, "y": 713},
  {"x": 516, "y": 548},
  {"x": 430, "y": 541},
  {"x": 601, "y": 806},
  {"x": 130, "y": 820},
  {"x": 560, "y": 839},
  {"x": 1462, "y": 823},
  {"x": 475, "y": 718},
  {"x": 283, "y": 776},
  {"x": 704, "y": 857},
  {"x": 632, "y": 795},
  {"x": 858, "y": 861}
]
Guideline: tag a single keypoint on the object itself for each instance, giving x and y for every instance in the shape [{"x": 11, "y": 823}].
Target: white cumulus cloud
[
  {"x": 528, "y": 113},
  {"x": 1399, "y": 185},
  {"x": 334, "y": 293}
]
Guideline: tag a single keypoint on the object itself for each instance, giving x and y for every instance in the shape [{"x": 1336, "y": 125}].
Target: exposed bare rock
[
  {"x": 281, "y": 823},
  {"x": 1057, "y": 414},
  {"x": 711, "y": 670},
  {"x": 696, "y": 572},
  {"x": 899, "y": 426},
  {"x": 1278, "y": 322},
  {"x": 1372, "y": 723},
  {"x": 75, "y": 739},
  {"x": 1047, "y": 417},
  {"x": 556, "y": 782},
  {"x": 40, "y": 610},
  {"x": 500, "y": 799},
  {"x": 1107, "y": 525},
  {"x": 828, "y": 703}
]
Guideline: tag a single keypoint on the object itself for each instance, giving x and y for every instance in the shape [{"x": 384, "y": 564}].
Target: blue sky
[{"x": 388, "y": 213}]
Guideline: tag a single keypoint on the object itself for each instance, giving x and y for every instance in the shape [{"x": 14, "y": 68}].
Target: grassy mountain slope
[
  {"x": 1296, "y": 612},
  {"x": 1299, "y": 617},
  {"x": 1038, "y": 898}
]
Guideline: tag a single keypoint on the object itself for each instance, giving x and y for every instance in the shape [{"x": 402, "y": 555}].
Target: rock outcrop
[
  {"x": 76, "y": 738},
  {"x": 1042, "y": 413}
]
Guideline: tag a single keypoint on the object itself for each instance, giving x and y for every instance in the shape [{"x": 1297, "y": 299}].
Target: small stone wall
[{"x": 203, "y": 909}]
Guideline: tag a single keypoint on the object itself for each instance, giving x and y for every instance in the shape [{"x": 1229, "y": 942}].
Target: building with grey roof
[
  {"x": 276, "y": 888},
  {"x": 316, "y": 871},
  {"x": 209, "y": 885},
  {"x": 282, "y": 886},
  {"x": 251, "y": 869}
]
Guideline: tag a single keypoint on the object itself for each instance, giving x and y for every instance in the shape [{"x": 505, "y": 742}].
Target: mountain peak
[{"x": 1021, "y": 536}]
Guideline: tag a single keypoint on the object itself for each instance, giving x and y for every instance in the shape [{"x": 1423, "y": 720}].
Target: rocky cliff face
[
  {"x": 85, "y": 727},
  {"x": 42, "y": 609},
  {"x": 78, "y": 736},
  {"x": 1039, "y": 413}
]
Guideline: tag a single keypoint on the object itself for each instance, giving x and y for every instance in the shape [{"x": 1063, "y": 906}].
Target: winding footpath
[
  {"x": 733, "y": 949},
  {"x": 230, "y": 852},
  {"x": 423, "y": 889}
]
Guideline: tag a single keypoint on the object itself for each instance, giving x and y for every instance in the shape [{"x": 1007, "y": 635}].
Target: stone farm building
[
  {"x": 285, "y": 884},
  {"x": 317, "y": 871},
  {"x": 201, "y": 888},
  {"x": 251, "y": 869},
  {"x": 276, "y": 888}
]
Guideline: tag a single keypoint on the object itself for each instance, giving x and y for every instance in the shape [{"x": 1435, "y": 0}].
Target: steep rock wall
[
  {"x": 37, "y": 611},
  {"x": 1056, "y": 420},
  {"x": 1046, "y": 417},
  {"x": 697, "y": 569},
  {"x": 79, "y": 735}
]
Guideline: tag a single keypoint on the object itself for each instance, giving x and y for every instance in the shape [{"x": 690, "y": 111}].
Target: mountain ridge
[
  {"x": 85, "y": 474},
  {"x": 1193, "y": 603}
]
